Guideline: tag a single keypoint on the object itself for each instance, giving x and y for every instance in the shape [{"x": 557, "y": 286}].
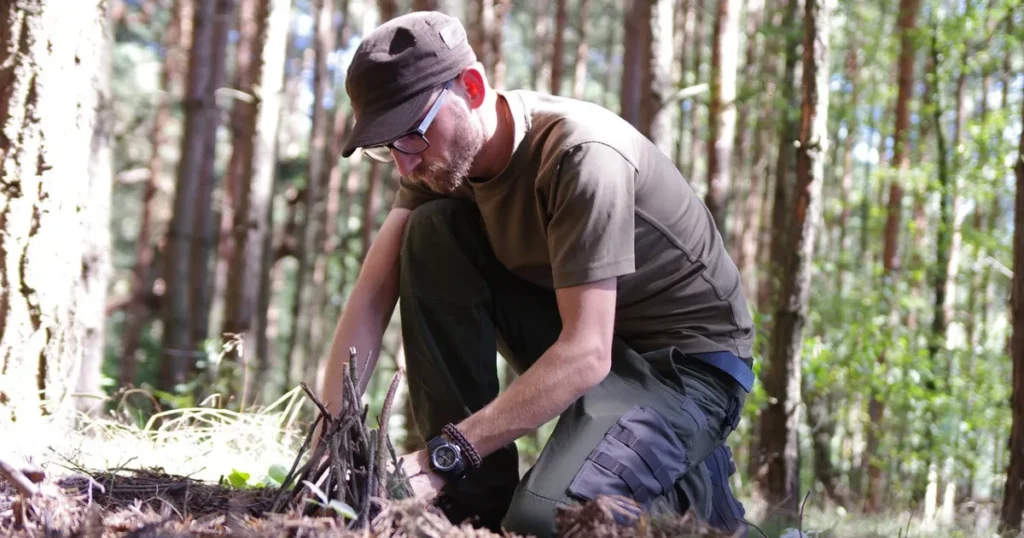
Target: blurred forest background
[{"x": 175, "y": 216}]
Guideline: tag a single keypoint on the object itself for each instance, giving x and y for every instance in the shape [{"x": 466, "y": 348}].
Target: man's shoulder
[{"x": 558, "y": 124}]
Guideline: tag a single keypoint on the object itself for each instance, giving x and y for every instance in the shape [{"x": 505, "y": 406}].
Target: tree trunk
[
  {"x": 425, "y": 5},
  {"x": 96, "y": 245},
  {"x": 722, "y": 110},
  {"x": 310, "y": 227},
  {"x": 1013, "y": 493},
  {"x": 684, "y": 35},
  {"x": 498, "y": 69},
  {"x": 699, "y": 9},
  {"x": 890, "y": 256},
  {"x": 745, "y": 216},
  {"x": 788, "y": 131},
  {"x": 259, "y": 254},
  {"x": 558, "y": 48},
  {"x": 632, "y": 69},
  {"x": 206, "y": 224},
  {"x": 579, "y": 72},
  {"x": 540, "y": 75},
  {"x": 143, "y": 273},
  {"x": 251, "y": 173},
  {"x": 179, "y": 349},
  {"x": 53, "y": 109},
  {"x": 846, "y": 182},
  {"x": 782, "y": 415},
  {"x": 333, "y": 201},
  {"x": 821, "y": 421}
]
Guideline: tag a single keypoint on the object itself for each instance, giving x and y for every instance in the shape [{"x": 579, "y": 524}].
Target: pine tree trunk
[
  {"x": 699, "y": 22},
  {"x": 632, "y": 68},
  {"x": 558, "y": 48},
  {"x": 579, "y": 72},
  {"x": 425, "y": 5},
  {"x": 259, "y": 252},
  {"x": 890, "y": 256},
  {"x": 745, "y": 216},
  {"x": 53, "y": 104},
  {"x": 202, "y": 263},
  {"x": 684, "y": 34},
  {"x": 847, "y": 178},
  {"x": 96, "y": 245},
  {"x": 782, "y": 415},
  {"x": 788, "y": 131},
  {"x": 263, "y": 37},
  {"x": 498, "y": 69},
  {"x": 1013, "y": 493},
  {"x": 722, "y": 110},
  {"x": 309, "y": 232},
  {"x": 333, "y": 201},
  {"x": 143, "y": 271},
  {"x": 540, "y": 75},
  {"x": 179, "y": 348}
]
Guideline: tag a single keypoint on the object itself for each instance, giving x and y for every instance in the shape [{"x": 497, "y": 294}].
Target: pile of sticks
[{"x": 347, "y": 475}]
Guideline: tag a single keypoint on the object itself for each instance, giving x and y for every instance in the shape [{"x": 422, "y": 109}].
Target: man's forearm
[
  {"x": 544, "y": 391},
  {"x": 362, "y": 327}
]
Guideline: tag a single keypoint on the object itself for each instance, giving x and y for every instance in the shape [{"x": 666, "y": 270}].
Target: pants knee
[{"x": 531, "y": 515}]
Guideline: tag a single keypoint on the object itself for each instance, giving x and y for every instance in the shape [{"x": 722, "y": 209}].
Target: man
[{"x": 550, "y": 230}]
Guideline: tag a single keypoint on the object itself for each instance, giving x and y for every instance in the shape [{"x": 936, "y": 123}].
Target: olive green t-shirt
[{"x": 587, "y": 197}]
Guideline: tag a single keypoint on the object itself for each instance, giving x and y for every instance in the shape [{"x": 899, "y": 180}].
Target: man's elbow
[{"x": 596, "y": 363}]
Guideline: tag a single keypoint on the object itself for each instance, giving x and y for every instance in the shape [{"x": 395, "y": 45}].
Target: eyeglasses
[{"x": 414, "y": 141}]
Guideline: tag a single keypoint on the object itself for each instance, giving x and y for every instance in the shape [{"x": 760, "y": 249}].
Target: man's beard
[{"x": 444, "y": 177}]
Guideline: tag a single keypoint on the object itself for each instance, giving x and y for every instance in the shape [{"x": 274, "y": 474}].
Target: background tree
[{"x": 54, "y": 103}]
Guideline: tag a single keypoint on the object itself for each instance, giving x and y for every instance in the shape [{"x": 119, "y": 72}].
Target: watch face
[{"x": 445, "y": 457}]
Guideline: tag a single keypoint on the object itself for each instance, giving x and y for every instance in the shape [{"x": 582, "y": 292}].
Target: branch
[
  {"x": 686, "y": 93},
  {"x": 19, "y": 480}
]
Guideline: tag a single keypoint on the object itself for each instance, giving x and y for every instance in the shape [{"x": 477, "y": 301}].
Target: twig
[
  {"x": 20, "y": 482},
  {"x": 382, "y": 433},
  {"x": 800, "y": 524}
]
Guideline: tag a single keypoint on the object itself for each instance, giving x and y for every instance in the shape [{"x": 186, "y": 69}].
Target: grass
[{"x": 204, "y": 442}]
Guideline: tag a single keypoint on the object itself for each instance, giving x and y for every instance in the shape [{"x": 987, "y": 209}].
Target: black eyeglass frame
[{"x": 375, "y": 153}]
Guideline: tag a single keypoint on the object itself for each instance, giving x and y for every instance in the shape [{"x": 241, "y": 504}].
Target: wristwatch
[{"x": 446, "y": 458}]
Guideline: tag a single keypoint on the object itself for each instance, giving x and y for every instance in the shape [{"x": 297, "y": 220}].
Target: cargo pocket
[{"x": 639, "y": 457}]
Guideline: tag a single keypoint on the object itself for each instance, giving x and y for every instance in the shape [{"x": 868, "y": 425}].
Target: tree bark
[
  {"x": 579, "y": 72},
  {"x": 782, "y": 414},
  {"x": 143, "y": 271},
  {"x": 684, "y": 35},
  {"x": 558, "y": 48},
  {"x": 699, "y": 9},
  {"x": 632, "y": 69},
  {"x": 181, "y": 294},
  {"x": 722, "y": 110},
  {"x": 201, "y": 284},
  {"x": 890, "y": 257},
  {"x": 788, "y": 131},
  {"x": 53, "y": 103},
  {"x": 96, "y": 255},
  {"x": 1013, "y": 491},
  {"x": 746, "y": 216},
  {"x": 310, "y": 226}
]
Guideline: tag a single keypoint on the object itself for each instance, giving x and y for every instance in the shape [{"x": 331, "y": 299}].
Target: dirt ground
[{"x": 145, "y": 504}]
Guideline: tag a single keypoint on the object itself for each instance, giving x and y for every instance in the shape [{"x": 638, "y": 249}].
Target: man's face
[{"x": 455, "y": 138}]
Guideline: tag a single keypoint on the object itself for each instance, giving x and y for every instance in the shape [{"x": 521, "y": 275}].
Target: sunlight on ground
[{"x": 203, "y": 443}]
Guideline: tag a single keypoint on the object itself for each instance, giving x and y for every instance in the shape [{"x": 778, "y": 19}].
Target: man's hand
[{"x": 426, "y": 484}]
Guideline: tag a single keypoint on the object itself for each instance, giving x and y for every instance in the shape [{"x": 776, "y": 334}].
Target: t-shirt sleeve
[
  {"x": 591, "y": 203},
  {"x": 411, "y": 195}
]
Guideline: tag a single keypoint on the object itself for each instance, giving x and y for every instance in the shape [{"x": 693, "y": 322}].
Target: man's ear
[{"x": 475, "y": 85}]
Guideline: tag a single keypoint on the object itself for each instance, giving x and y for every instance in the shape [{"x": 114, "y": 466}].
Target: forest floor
[{"x": 210, "y": 472}]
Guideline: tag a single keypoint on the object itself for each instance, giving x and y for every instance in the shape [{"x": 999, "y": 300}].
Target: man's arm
[
  {"x": 580, "y": 359},
  {"x": 367, "y": 311}
]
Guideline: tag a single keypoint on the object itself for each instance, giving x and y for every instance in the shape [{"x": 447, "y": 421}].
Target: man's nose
[{"x": 406, "y": 163}]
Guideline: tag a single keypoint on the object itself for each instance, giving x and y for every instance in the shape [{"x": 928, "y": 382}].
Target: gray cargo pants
[{"x": 643, "y": 432}]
